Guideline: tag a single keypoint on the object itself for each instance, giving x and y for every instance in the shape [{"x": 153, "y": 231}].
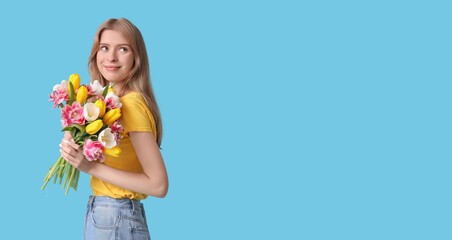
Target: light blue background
[{"x": 283, "y": 119}]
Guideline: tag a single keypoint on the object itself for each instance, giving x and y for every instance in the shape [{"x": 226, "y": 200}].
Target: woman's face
[{"x": 114, "y": 58}]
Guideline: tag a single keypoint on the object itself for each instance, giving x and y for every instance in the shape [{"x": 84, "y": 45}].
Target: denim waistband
[{"x": 125, "y": 203}]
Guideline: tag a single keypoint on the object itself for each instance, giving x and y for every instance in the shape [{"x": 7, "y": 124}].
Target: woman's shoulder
[{"x": 132, "y": 96}]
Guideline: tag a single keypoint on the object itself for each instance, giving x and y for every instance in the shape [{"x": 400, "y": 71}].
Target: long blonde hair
[{"x": 139, "y": 79}]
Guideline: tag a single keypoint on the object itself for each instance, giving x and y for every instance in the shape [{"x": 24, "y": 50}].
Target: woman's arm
[{"x": 154, "y": 179}]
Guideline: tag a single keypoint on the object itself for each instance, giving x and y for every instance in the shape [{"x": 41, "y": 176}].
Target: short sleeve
[{"x": 135, "y": 116}]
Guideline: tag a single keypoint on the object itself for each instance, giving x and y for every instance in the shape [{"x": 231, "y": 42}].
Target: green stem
[
  {"x": 67, "y": 171},
  {"x": 76, "y": 180},
  {"x": 61, "y": 170},
  {"x": 51, "y": 173},
  {"x": 71, "y": 170}
]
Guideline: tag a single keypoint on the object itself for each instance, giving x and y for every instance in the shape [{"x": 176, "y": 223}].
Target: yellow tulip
[
  {"x": 111, "y": 116},
  {"x": 75, "y": 80},
  {"x": 102, "y": 107},
  {"x": 93, "y": 127},
  {"x": 82, "y": 94},
  {"x": 114, "y": 151}
]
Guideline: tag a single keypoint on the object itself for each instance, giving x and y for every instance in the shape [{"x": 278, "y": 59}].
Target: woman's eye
[
  {"x": 123, "y": 49},
  {"x": 103, "y": 48}
]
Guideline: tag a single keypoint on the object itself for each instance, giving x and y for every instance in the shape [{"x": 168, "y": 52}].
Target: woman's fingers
[
  {"x": 70, "y": 150},
  {"x": 67, "y": 135},
  {"x": 73, "y": 154},
  {"x": 72, "y": 143}
]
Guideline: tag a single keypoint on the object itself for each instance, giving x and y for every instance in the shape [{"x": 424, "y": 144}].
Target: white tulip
[
  {"x": 90, "y": 112},
  {"x": 96, "y": 87},
  {"x": 107, "y": 138},
  {"x": 63, "y": 86},
  {"x": 113, "y": 99}
]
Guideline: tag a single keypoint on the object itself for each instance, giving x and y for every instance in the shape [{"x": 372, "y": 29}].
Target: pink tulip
[
  {"x": 59, "y": 96},
  {"x": 71, "y": 114},
  {"x": 93, "y": 150},
  {"x": 117, "y": 130}
]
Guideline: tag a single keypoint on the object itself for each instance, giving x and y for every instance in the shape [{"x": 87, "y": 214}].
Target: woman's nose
[{"x": 112, "y": 57}]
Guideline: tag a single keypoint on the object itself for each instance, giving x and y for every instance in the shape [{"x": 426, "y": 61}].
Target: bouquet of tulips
[{"x": 91, "y": 114}]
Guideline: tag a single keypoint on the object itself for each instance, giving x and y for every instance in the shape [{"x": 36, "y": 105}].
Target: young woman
[{"x": 114, "y": 211}]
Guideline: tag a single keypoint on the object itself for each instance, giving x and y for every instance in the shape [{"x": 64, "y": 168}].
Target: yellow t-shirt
[{"x": 135, "y": 117}]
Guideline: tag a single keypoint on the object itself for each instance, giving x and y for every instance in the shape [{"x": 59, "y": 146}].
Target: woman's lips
[{"x": 112, "y": 68}]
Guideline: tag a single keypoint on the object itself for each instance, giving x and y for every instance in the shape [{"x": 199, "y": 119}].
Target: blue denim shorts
[{"x": 110, "y": 218}]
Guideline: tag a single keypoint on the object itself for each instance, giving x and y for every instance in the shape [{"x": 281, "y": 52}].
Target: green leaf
[
  {"x": 81, "y": 128},
  {"x": 93, "y": 137},
  {"x": 74, "y": 132},
  {"x": 68, "y": 128},
  {"x": 72, "y": 95},
  {"x": 104, "y": 93}
]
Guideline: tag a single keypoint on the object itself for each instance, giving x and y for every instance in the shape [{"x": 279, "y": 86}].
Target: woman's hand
[{"x": 73, "y": 153}]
